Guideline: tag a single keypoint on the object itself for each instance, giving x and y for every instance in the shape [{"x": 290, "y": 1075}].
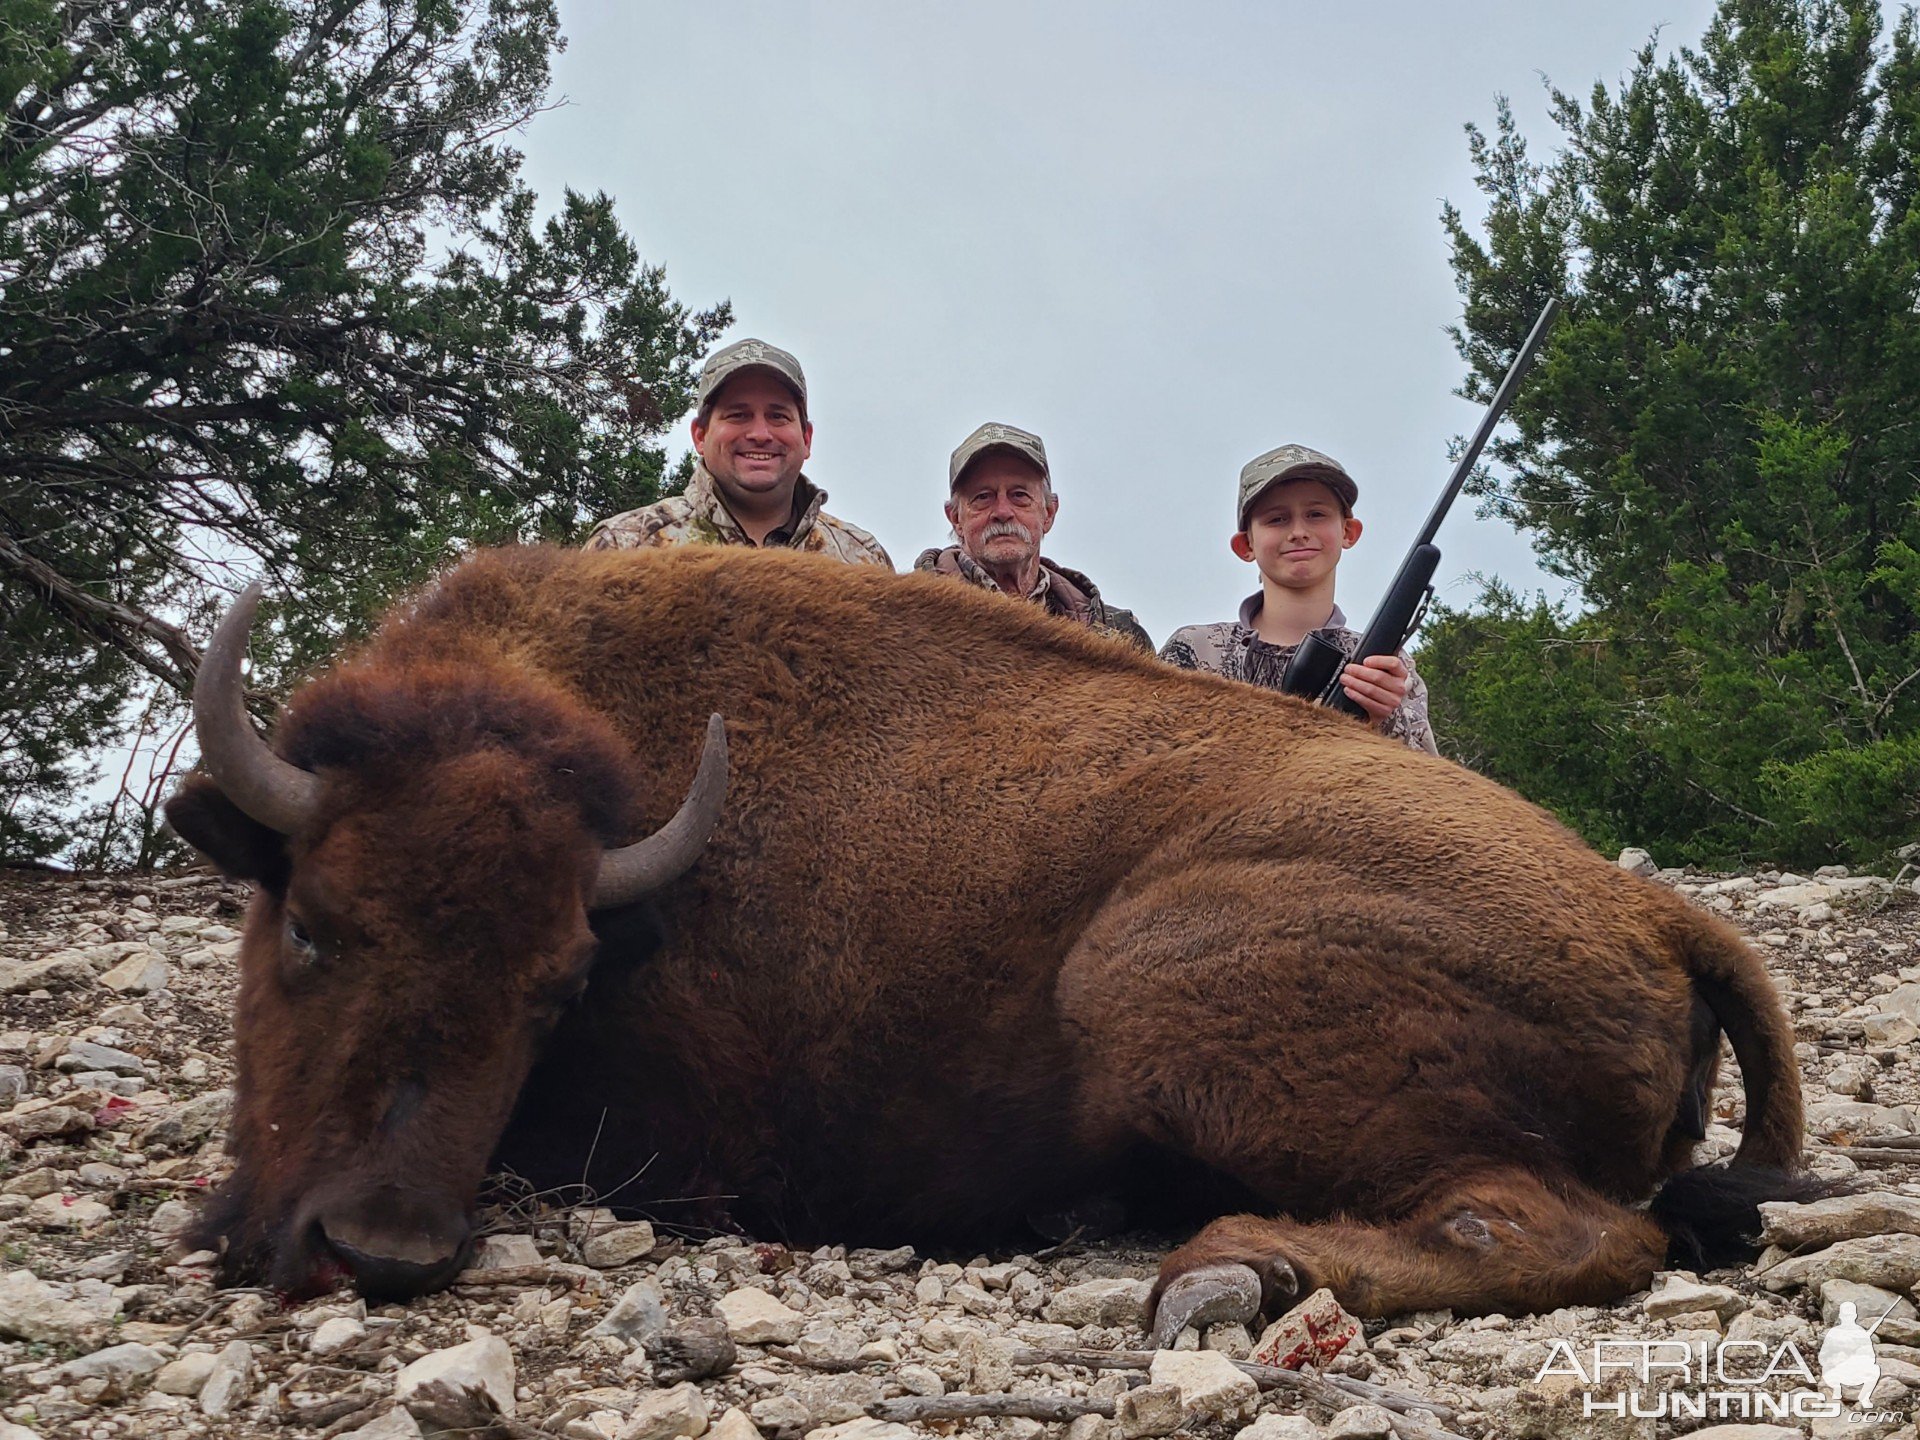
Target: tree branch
[{"x": 106, "y": 620}]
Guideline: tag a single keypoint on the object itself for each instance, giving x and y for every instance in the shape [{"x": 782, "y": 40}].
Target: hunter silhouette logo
[
  {"x": 1727, "y": 1379},
  {"x": 1847, "y": 1357}
]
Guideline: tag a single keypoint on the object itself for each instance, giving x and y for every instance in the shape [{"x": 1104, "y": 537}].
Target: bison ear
[{"x": 243, "y": 848}]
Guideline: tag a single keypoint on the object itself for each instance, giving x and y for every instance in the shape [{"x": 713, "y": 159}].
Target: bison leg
[{"x": 1500, "y": 1241}]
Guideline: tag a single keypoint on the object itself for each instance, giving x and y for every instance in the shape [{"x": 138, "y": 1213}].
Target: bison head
[{"x": 425, "y": 859}]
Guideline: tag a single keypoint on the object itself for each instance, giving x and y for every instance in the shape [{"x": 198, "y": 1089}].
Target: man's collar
[
  {"x": 979, "y": 575},
  {"x": 807, "y": 500},
  {"x": 703, "y": 494},
  {"x": 1251, "y": 606},
  {"x": 1042, "y": 581}
]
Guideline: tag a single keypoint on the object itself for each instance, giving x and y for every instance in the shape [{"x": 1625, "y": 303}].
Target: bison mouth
[
  {"x": 395, "y": 1242},
  {"x": 389, "y": 1241}
]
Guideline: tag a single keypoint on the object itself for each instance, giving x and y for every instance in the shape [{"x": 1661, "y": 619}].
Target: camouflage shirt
[
  {"x": 1232, "y": 648},
  {"x": 701, "y": 517},
  {"x": 1061, "y": 591}
]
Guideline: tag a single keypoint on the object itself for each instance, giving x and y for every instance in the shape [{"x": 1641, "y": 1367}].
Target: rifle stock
[{"x": 1315, "y": 673}]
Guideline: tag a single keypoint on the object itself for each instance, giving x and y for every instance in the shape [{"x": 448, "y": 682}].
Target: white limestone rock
[
  {"x": 1891, "y": 1262},
  {"x": 138, "y": 974},
  {"x": 65, "y": 970},
  {"x": 1845, "y": 1121},
  {"x": 1281, "y": 1427},
  {"x": 1679, "y": 1294},
  {"x": 334, "y": 1335},
  {"x": 118, "y": 1363},
  {"x": 637, "y": 1316},
  {"x": 63, "y": 1212},
  {"x": 1113, "y": 1302},
  {"x": 397, "y": 1424},
  {"x": 1211, "y": 1386},
  {"x": 91, "y": 1055},
  {"x": 1840, "y": 1217},
  {"x": 667, "y": 1415},
  {"x": 755, "y": 1318},
  {"x": 1148, "y": 1411},
  {"x": 485, "y": 1362},
  {"x": 618, "y": 1245},
  {"x": 186, "y": 1375},
  {"x": 1361, "y": 1422},
  {"x": 229, "y": 1383},
  {"x": 505, "y": 1252},
  {"x": 30, "y": 1309},
  {"x": 1636, "y": 862}
]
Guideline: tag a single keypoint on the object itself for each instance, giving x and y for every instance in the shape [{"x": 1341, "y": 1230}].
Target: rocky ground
[{"x": 116, "y": 995}]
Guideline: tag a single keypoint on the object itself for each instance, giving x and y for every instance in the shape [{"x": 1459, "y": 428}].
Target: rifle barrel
[
  {"x": 1502, "y": 398},
  {"x": 1314, "y": 671}
]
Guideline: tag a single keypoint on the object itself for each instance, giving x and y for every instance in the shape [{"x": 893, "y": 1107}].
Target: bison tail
[
  {"x": 1712, "y": 1215},
  {"x": 1728, "y": 975}
]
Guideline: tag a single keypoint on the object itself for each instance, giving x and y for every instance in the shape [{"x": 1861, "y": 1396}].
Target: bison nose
[{"x": 397, "y": 1243}]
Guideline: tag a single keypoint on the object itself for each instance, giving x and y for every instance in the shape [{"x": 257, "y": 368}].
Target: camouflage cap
[
  {"x": 995, "y": 436},
  {"x": 729, "y": 360},
  {"x": 1292, "y": 462}
]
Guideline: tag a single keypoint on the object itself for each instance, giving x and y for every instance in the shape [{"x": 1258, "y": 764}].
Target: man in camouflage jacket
[
  {"x": 752, "y": 436},
  {"x": 1001, "y": 503}
]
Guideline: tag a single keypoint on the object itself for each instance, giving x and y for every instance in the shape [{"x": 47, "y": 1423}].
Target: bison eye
[{"x": 298, "y": 940}]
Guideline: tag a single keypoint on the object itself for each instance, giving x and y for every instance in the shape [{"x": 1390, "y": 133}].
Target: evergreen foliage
[
  {"x": 273, "y": 300},
  {"x": 1719, "y": 446}
]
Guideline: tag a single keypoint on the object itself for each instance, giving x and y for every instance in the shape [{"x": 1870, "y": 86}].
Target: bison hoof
[{"x": 1213, "y": 1295}]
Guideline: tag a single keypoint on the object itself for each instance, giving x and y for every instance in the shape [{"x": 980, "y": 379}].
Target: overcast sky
[{"x": 1164, "y": 237}]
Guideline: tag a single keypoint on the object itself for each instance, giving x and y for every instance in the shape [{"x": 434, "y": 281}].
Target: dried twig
[
  {"x": 1334, "y": 1391},
  {"x": 266, "y": 1325},
  {"x": 325, "y": 1412},
  {"x": 557, "y": 1272},
  {"x": 973, "y": 1407},
  {"x": 818, "y": 1362},
  {"x": 1068, "y": 1243},
  {"x": 468, "y": 1410},
  {"x": 353, "y": 1419},
  {"x": 220, "y": 1303},
  {"x": 1885, "y": 1142},
  {"x": 136, "y": 1185}
]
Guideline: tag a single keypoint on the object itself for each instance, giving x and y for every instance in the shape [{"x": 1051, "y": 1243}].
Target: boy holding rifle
[
  {"x": 1295, "y": 520},
  {"x": 1296, "y": 516}
]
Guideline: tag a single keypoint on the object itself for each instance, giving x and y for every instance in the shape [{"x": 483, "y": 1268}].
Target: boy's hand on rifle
[{"x": 1378, "y": 685}]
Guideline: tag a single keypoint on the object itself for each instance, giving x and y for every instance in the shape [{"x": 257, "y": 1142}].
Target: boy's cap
[
  {"x": 1293, "y": 462},
  {"x": 729, "y": 360},
  {"x": 995, "y": 436}
]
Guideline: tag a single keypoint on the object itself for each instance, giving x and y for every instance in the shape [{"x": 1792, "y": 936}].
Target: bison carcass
[{"x": 996, "y": 916}]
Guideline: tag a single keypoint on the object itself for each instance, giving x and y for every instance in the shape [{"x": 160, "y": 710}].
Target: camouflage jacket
[
  {"x": 1233, "y": 649},
  {"x": 701, "y": 517},
  {"x": 1063, "y": 592}
]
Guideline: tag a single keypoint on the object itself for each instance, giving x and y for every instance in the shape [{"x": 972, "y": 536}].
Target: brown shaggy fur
[{"x": 1000, "y": 914}]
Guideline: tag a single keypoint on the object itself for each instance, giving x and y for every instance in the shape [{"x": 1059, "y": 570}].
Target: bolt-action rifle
[{"x": 1316, "y": 667}]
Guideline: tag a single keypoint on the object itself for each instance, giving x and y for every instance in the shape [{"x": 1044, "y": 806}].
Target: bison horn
[
  {"x": 646, "y": 865},
  {"x": 266, "y": 788}
]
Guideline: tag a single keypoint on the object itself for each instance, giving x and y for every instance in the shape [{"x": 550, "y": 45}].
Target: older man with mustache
[{"x": 1001, "y": 504}]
